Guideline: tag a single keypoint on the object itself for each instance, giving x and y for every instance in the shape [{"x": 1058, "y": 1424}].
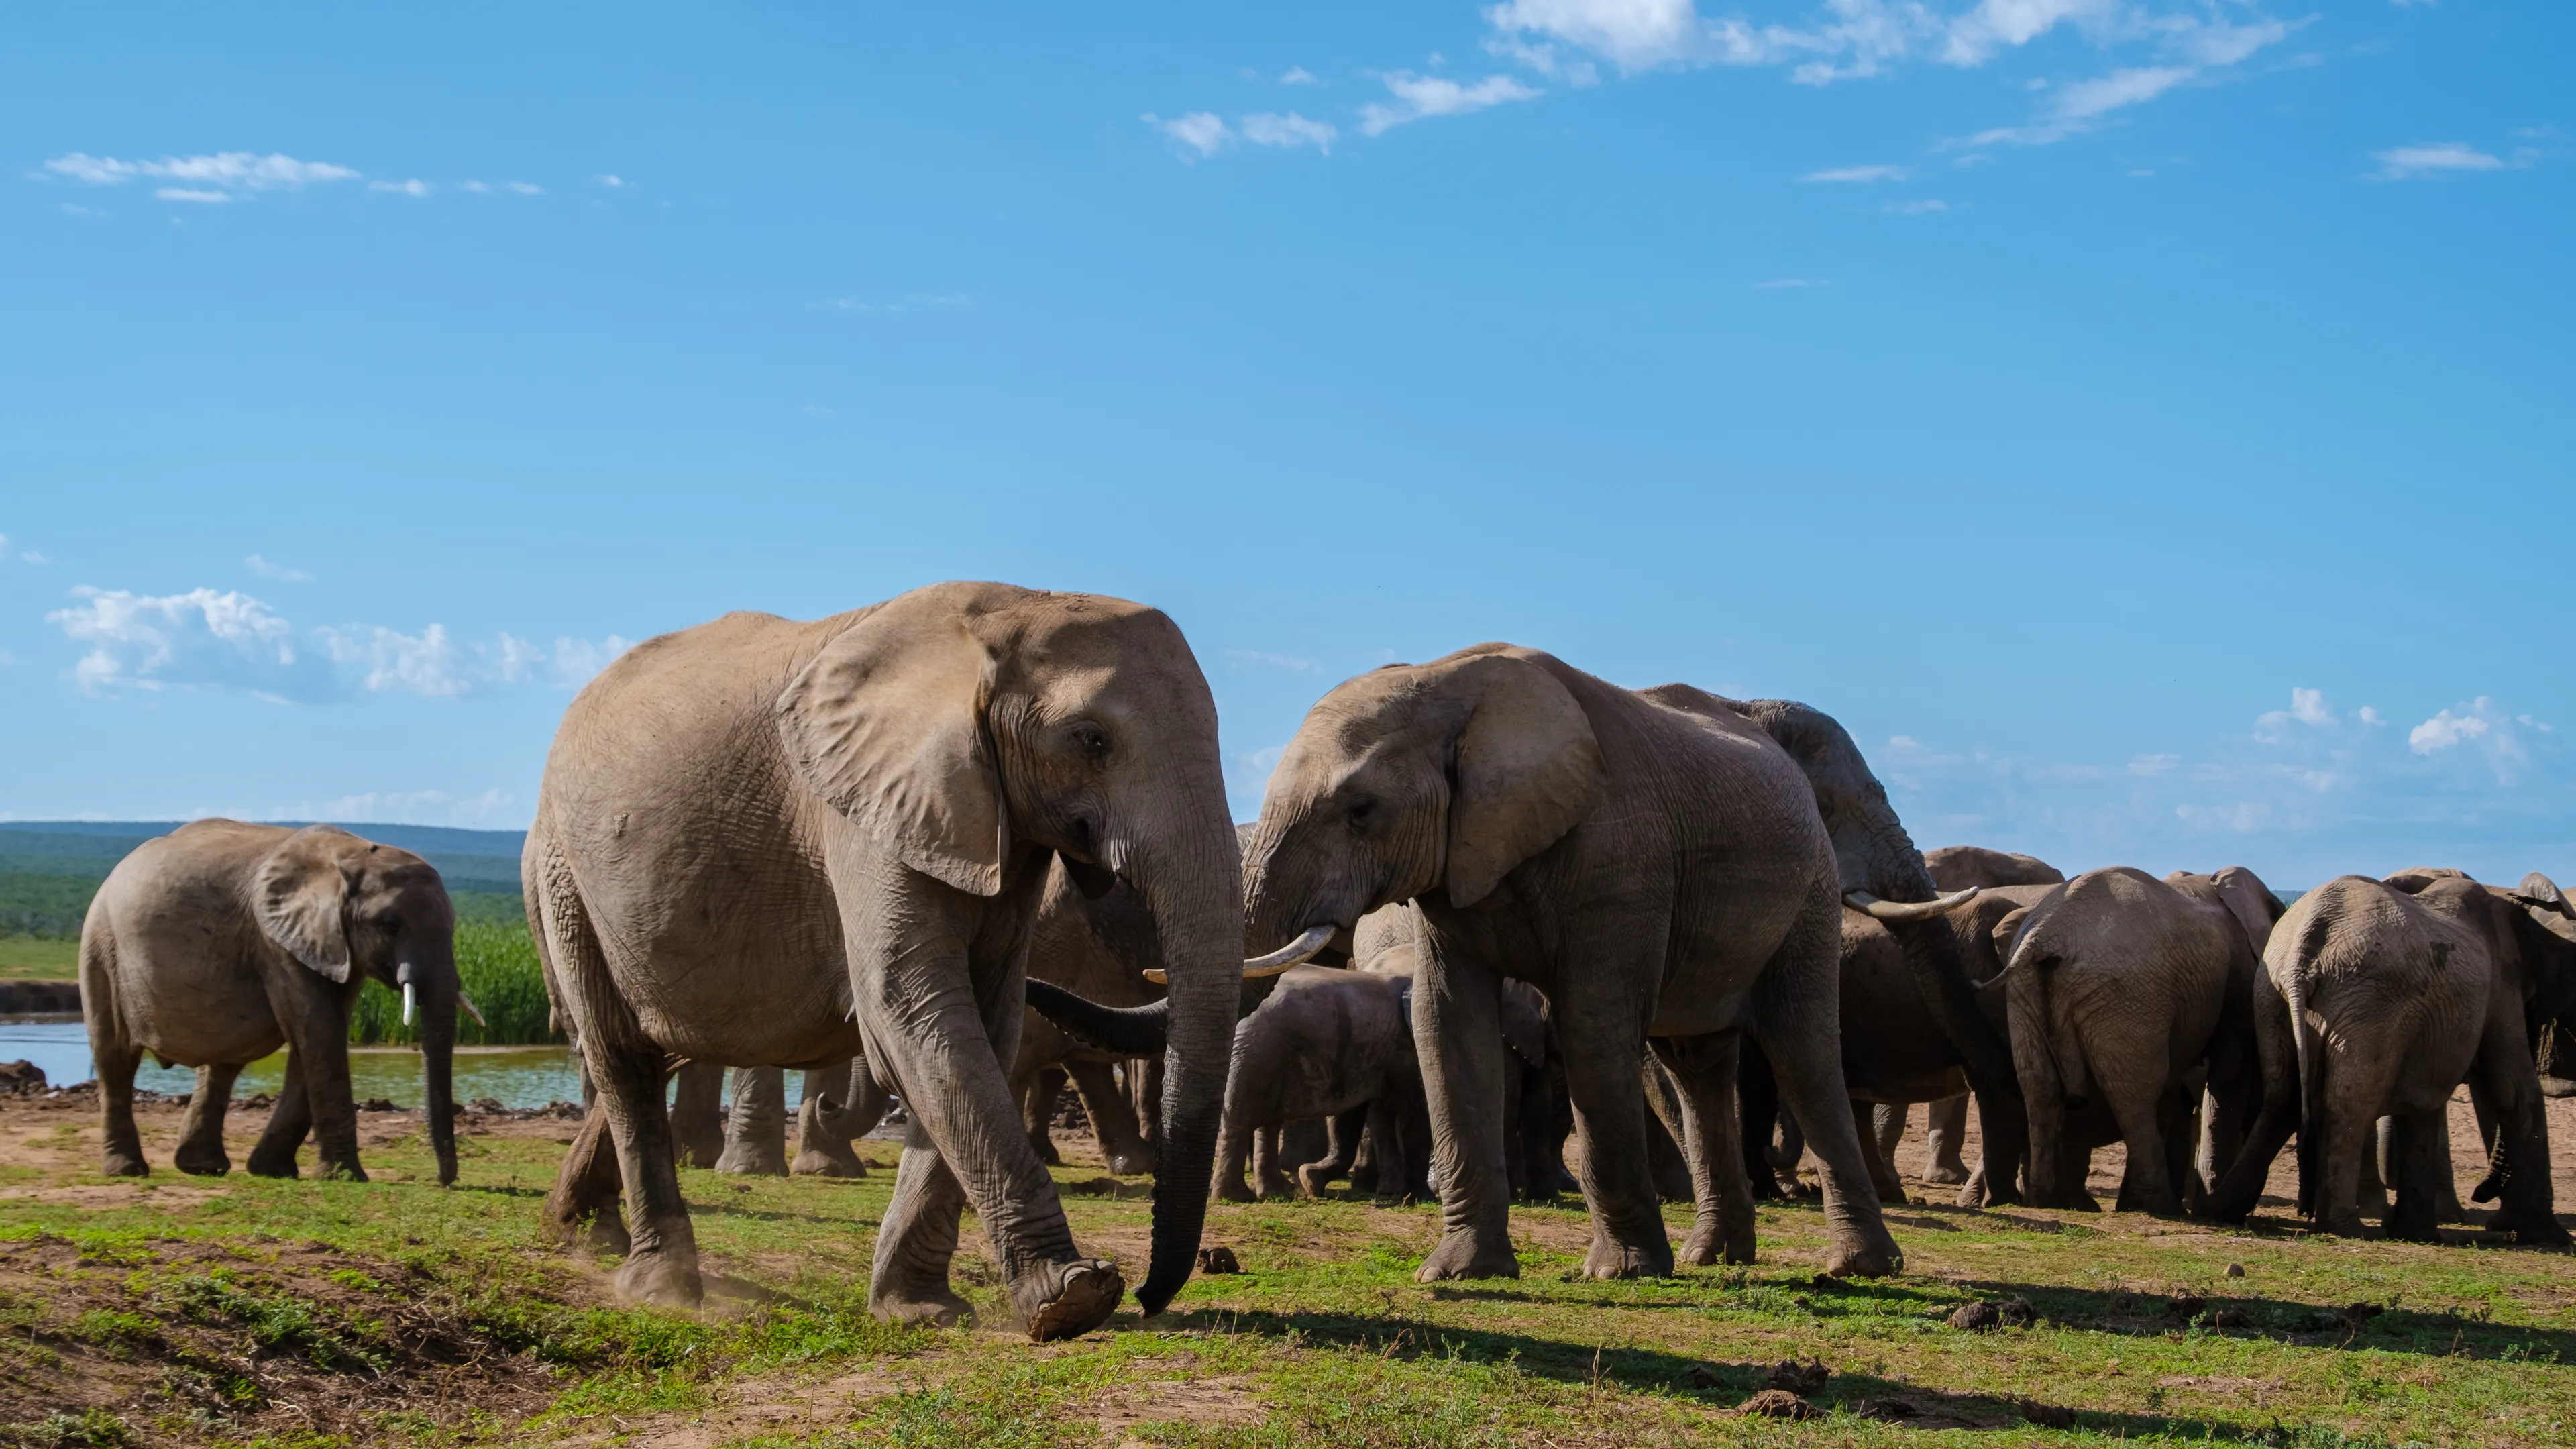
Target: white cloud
[
  {"x": 1631, "y": 34},
  {"x": 8, "y": 553},
  {"x": 576, "y": 660},
  {"x": 413, "y": 187},
  {"x": 2154, "y": 764},
  {"x": 2446, "y": 730},
  {"x": 1925, "y": 207},
  {"x": 2371, "y": 716},
  {"x": 2433, "y": 158},
  {"x": 221, "y": 176},
  {"x": 1297, "y": 75},
  {"x": 1203, "y": 132},
  {"x": 2307, "y": 707},
  {"x": 524, "y": 188},
  {"x": 1861, "y": 174},
  {"x": 2243, "y": 817},
  {"x": 611, "y": 181},
  {"x": 1291, "y": 131},
  {"x": 281, "y": 572},
  {"x": 2076, "y": 108},
  {"x": 199, "y": 638},
  {"x": 1420, "y": 97}
]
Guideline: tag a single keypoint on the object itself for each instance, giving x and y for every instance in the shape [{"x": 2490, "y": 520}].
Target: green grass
[
  {"x": 39, "y": 958},
  {"x": 1325, "y": 1339}
]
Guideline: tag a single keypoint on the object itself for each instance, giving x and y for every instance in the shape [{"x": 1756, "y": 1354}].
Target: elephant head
[
  {"x": 340, "y": 906},
  {"x": 1884, "y": 875},
  {"x": 970, "y": 727},
  {"x": 1415, "y": 780}
]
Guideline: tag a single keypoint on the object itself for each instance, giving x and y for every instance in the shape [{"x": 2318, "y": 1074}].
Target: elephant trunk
[
  {"x": 428, "y": 974},
  {"x": 1883, "y": 862},
  {"x": 1136, "y": 1031},
  {"x": 1197, "y": 905}
]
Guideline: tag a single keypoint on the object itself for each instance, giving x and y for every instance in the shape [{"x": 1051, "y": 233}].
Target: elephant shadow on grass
[
  {"x": 2432, "y": 1333},
  {"x": 1719, "y": 1385}
]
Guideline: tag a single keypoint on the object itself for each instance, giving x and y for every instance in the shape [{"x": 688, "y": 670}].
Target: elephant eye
[
  {"x": 1361, "y": 810},
  {"x": 388, "y": 920},
  {"x": 1091, "y": 739}
]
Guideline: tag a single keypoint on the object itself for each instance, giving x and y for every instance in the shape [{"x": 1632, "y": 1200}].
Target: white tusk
[
  {"x": 1900, "y": 912},
  {"x": 406, "y": 1003},
  {"x": 467, "y": 1002},
  {"x": 1295, "y": 953}
]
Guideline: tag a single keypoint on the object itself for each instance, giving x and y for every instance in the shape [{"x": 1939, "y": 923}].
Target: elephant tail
[{"x": 1139, "y": 1031}]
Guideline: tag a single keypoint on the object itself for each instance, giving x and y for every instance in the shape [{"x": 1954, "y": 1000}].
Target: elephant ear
[
  {"x": 2251, "y": 902},
  {"x": 299, "y": 895},
  {"x": 2539, "y": 890},
  {"x": 2006, "y": 929},
  {"x": 1526, "y": 770},
  {"x": 886, "y": 725}
]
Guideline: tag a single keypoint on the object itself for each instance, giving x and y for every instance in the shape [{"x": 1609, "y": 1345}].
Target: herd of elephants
[{"x": 1496, "y": 915}]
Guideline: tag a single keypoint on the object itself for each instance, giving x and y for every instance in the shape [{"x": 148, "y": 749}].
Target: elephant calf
[
  {"x": 1325, "y": 1042},
  {"x": 218, "y": 943}
]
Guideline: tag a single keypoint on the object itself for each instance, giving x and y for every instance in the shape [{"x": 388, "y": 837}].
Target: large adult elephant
[
  {"x": 2122, "y": 989},
  {"x": 2377, "y": 998},
  {"x": 220, "y": 942},
  {"x": 764, "y": 841},
  {"x": 1654, "y": 863}
]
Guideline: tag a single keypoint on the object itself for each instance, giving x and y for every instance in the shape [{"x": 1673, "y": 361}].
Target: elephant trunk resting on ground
[
  {"x": 867, "y": 807},
  {"x": 1654, "y": 863},
  {"x": 218, "y": 943}
]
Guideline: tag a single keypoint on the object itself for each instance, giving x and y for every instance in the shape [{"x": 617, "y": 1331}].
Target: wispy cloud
[
  {"x": 1924, "y": 206},
  {"x": 1289, "y": 131},
  {"x": 1297, "y": 75},
  {"x": 1419, "y": 97},
  {"x": 11, "y": 553},
  {"x": 224, "y": 639},
  {"x": 280, "y": 572},
  {"x": 1294, "y": 663},
  {"x": 214, "y": 177},
  {"x": 2432, "y": 158},
  {"x": 1199, "y": 134},
  {"x": 413, "y": 187},
  {"x": 1857, "y": 174}
]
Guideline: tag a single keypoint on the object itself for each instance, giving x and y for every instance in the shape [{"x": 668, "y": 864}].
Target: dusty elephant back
[
  {"x": 1956, "y": 867},
  {"x": 668, "y": 801}
]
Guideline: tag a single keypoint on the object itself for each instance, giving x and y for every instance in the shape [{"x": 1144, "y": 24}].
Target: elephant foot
[
  {"x": 814, "y": 1162},
  {"x": 199, "y": 1161},
  {"x": 753, "y": 1164},
  {"x": 1233, "y": 1190},
  {"x": 1312, "y": 1179},
  {"x": 1707, "y": 1246},
  {"x": 1064, "y": 1300},
  {"x": 660, "y": 1279},
  {"x": 934, "y": 1306},
  {"x": 1465, "y": 1255},
  {"x": 2409, "y": 1228},
  {"x": 1277, "y": 1186},
  {"x": 272, "y": 1164},
  {"x": 123, "y": 1164},
  {"x": 1946, "y": 1174},
  {"x": 1607, "y": 1259},
  {"x": 1864, "y": 1255},
  {"x": 348, "y": 1171},
  {"x": 1139, "y": 1163}
]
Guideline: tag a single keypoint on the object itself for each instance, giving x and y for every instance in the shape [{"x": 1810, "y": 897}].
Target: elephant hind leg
[
  {"x": 1342, "y": 1137},
  {"x": 1881, "y": 1126},
  {"x": 756, "y": 1128},
  {"x": 697, "y": 1113},
  {"x": 919, "y": 1239},
  {"x": 1113, "y": 1125},
  {"x": 1798, "y": 1019},
  {"x": 1946, "y": 1134},
  {"x": 662, "y": 1253},
  {"x": 2414, "y": 1162},
  {"x": 289, "y": 1123},
  {"x": 201, "y": 1139},
  {"x": 583, "y": 1208},
  {"x": 1268, "y": 1179},
  {"x": 1705, "y": 1070}
]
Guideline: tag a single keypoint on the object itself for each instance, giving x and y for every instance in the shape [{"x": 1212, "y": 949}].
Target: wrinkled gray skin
[
  {"x": 1326, "y": 1042},
  {"x": 2121, "y": 989},
  {"x": 768, "y": 842},
  {"x": 2377, "y": 999},
  {"x": 838, "y": 1105},
  {"x": 220, "y": 942},
  {"x": 1653, "y": 863},
  {"x": 1100, "y": 950},
  {"x": 1954, "y": 868}
]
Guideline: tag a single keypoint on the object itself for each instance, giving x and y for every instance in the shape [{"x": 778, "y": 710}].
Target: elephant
[
  {"x": 1653, "y": 862},
  {"x": 2377, "y": 998},
  {"x": 774, "y": 842},
  {"x": 1101, "y": 949},
  {"x": 1328, "y": 1041},
  {"x": 825, "y": 1125},
  {"x": 218, "y": 943},
  {"x": 2121, "y": 989},
  {"x": 1957, "y": 867}
]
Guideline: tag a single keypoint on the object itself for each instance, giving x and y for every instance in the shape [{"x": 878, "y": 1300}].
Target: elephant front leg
[
  {"x": 2413, "y": 1164},
  {"x": 697, "y": 1113},
  {"x": 1705, "y": 1069},
  {"x": 289, "y": 1123},
  {"x": 1113, "y": 1125},
  {"x": 317, "y": 1038},
  {"x": 1946, "y": 1134},
  {"x": 1627, "y": 1214},
  {"x": 908, "y": 1282},
  {"x": 756, "y": 1128},
  {"x": 1798, "y": 1012},
  {"x": 1341, "y": 1150},
  {"x": 2503, "y": 1076},
  {"x": 1880, "y": 1126},
  {"x": 201, "y": 1139},
  {"x": 1457, "y": 1034}
]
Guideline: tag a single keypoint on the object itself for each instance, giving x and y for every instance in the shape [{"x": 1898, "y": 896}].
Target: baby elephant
[
  {"x": 218, "y": 943},
  {"x": 1328, "y": 1041}
]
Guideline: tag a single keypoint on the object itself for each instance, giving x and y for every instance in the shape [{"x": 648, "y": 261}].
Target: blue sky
[{"x": 2144, "y": 422}]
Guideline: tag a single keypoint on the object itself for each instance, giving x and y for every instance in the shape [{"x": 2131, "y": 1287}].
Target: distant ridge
[{"x": 89, "y": 849}]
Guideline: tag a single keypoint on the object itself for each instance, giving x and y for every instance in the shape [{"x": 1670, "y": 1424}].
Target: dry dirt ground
[{"x": 201, "y": 1311}]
